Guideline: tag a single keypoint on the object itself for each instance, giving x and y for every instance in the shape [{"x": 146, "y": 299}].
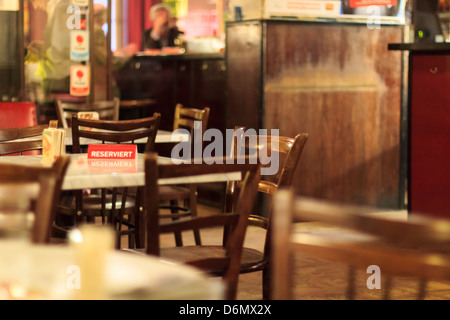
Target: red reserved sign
[
  {"x": 112, "y": 151},
  {"x": 112, "y": 165}
]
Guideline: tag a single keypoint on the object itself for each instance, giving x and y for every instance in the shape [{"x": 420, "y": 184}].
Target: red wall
[{"x": 137, "y": 12}]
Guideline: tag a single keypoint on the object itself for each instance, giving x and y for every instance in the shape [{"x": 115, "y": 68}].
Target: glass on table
[{"x": 16, "y": 220}]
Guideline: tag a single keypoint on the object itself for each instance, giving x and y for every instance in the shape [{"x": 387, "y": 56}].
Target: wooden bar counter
[
  {"x": 195, "y": 80},
  {"x": 336, "y": 81}
]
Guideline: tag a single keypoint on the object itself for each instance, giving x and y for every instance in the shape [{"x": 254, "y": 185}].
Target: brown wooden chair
[
  {"x": 185, "y": 119},
  {"x": 107, "y": 110},
  {"x": 288, "y": 152},
  {"x": 50, "y": 181},
  {"x": 217, "y": 260},
  {"x": 114, "y": 204},
  {"x": 416, "y": 247},
  {"x": 21, "y": 140}
]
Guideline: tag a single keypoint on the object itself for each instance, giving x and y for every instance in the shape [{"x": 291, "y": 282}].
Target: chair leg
[
  {"x": 266, "y": 283},
  {"x": 192, "y": 205},
  {"x": 177, "y": 235},
  {"x": 132, "y": 240},
  {"x": 139, "y": 223},
  {"x": 351, "y": 291}
]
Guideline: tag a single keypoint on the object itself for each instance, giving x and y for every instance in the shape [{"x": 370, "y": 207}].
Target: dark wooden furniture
[
  {"x": 194, "y": 80},
  {"x": 185, "y": 119},
  {"x": 428, "y": 126},
  {"x": 415, "y": 248},
  {"x": 135, "y": 109},
  {"x": 10, "y": 142},
  {"x": 116, "y": 206},
  {"x": 122, "y": 131},
  {"x": 107, "y": 110},
  {"x": 12, "y": 54},
  {"x": 288, "y": 152},
  {"x": 336, "y": 81},
  {"x": 217, "y": 260},
  {"x": 44, "y": 205}
]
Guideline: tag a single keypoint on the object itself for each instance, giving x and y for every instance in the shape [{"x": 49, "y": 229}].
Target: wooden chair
[
  {"x": 50, "y": 181},
  {"x": 416, "y": 247},
  {"x": 107, "y": 110},
  {"x": 116, "y": 203},
  {"x": 11, "y": 139},
  {"x": 184, "y": 118},
  {"x": 288, "y": 150},
  {"x": 217, "y": 260}
]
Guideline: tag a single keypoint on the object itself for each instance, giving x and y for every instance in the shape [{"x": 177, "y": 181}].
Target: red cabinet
[
  {"x": 428, "y": 127},
  {"x": 429, "y": 133}
]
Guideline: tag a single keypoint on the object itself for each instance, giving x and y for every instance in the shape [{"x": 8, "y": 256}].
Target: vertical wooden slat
[
  {"x": 119, "y": 18},
  {"x": 91, "y": 51},
  {"x": 109, "y": 55},
  {"x": 21, "y": 50},
  {"x": 282, "y": 264}
]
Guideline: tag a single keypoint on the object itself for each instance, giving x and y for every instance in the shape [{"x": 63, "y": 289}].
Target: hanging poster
[
  {"x": 79, "y": 80},
  {"x": 373, "y": 12},
  {"x": 384, "y": 8},
  {"x": 365, "y": 3},
  {"x": 303, "y": 8},
  {"x": 79, "y": 45}
]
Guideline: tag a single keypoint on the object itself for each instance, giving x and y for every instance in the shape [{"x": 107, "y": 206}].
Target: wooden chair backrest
[
  {"x": 288, "y": 150},
  {"x": 122, "y": 131},
  {"x": 50, "y": 181},
  {"x": 236, "y": 221},
  {"x": 188, "y": 119},
  {"x": 411, "y": 248},
  {"x": 11, "y": 143},
  {"x": 185, "y": 118},
  {"x": 107, "y": 110}
]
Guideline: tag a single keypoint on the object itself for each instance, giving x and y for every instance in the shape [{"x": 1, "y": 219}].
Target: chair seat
[
  {"x": 92, "y": 204},
  {"x": 174, "y": 192},
  {"x": 252, "y": 259}
]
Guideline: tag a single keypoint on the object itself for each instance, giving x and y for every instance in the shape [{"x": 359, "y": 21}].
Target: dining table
[
  {"x": 84, "y": 173},
  {"x": 47, "y": 272},
  {"x": 46, "y": 268}
]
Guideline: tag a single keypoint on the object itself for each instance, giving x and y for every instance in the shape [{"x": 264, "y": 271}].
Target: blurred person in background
[{"x": 164, "y": 31}]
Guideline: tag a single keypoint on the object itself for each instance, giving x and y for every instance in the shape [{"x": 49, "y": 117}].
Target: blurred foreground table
[{"x": 47, "y": 272}]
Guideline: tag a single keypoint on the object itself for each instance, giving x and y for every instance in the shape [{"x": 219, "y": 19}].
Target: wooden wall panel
[
  {"x": 244, "y": 74},
  {"x": 340, "y": 84}
]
